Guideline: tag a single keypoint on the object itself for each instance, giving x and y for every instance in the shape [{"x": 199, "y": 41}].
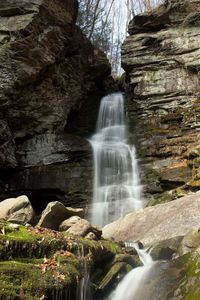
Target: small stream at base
[
  {"x": 129, "y": 288},
  {"x": 83, "y": 288}
]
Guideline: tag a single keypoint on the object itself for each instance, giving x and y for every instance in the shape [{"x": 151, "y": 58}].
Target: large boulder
[
  {"x": 157, "y": 223},
  {"x": 55, "y": 213},
  {"x": 17, "y": 210}
]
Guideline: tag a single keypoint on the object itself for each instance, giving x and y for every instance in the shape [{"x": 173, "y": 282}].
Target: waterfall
[
  {"x": 132, "y": 285},
  {"x": 83, "y": 288},
  {"x": 117, "y": 188}
]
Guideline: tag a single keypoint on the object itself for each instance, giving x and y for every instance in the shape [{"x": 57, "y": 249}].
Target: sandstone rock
[
  {"x": 45, "y": 81},
  {"x": 80, "y": 228},
  {"x": 16, "y": 210},
  {"x": 155, "y": 224},
  {"x": 7, "y": 148},
  {"x": 69, "y": 183},
  {"x": 83, "y": 228},
  {"x": 166, "y": 249},
  {"x": 51, "y": 148},
  {"x": 55, "y": 213},
  {"x": 190, "y": 242},
  {"x": 162, "y": 89},
  {"x": 66, "y": 224}
]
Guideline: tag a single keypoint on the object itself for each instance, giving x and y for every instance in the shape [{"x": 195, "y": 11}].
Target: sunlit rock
[
  {"x": 16, "y": 210},
  {"x": 157, "y": 223},
  {"x": 55, "y": 213}
]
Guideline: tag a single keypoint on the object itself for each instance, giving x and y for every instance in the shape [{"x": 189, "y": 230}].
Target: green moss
[
  {"x": 114, "y": 272},
  {"x": 190, "y": 287},
  {"x": 179, "y": 192},
  {"x": 33, "y": 280},
  {"x": 20, "y": 234},
  {"x": 38, "y": 262},
  {"x": 197, "y": 108},
  {"x": 111, "y": 246}
]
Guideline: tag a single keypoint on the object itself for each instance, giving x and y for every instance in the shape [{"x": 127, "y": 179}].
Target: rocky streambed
[{"x": 37, "y": 262}]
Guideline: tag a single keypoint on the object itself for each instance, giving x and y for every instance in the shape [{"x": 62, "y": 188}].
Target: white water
[
  {"x": 129, "y": 288},
  {"x": 83, "y": 288},
  {"x": 117, "y": 189}
]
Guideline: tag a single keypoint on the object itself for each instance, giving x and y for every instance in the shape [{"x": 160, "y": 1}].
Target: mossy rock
[
  {"x": 39, "y": 262},
  {"x": 32, "y": 280}
]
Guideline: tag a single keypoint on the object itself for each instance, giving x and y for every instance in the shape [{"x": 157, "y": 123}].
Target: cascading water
[
  {"x": 83, "y": 288},
  {"x": 131, "y": 286},
  {"x": 117, "y": 188}
]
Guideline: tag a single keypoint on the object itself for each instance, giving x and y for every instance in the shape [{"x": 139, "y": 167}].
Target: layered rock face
[
  {"x": 162, "y": 61},
  {"x": 49, "y": 71}
]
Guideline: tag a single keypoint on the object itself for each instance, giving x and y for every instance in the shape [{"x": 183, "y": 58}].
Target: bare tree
[{"x": 102, "y": 21}]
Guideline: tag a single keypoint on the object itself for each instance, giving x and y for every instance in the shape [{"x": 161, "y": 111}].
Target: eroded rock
[
  {"x": 49, "y": 72},
  {"x": 55, "y": 213},
  {"x": 163, "y": 92},
  {"x": 190, "y": 242},
  {"x": 66, "y": 224},
  {"x": 16, "y": 210}
]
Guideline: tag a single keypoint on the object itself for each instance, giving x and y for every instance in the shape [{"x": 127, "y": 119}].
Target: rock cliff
[
  {"x": 162, "y": 61},
  {"x": 49, "y": 72}
]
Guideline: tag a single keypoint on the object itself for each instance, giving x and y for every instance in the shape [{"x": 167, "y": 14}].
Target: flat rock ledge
[{"x": 157, "y": 223}]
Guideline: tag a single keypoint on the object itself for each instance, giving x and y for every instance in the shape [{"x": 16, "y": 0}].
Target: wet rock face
[
  {"x": 161, "y": 58},
  {"x": 49, "y": 70}
]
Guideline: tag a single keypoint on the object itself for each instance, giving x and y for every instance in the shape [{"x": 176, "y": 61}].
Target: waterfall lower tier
[
  {"x": 83, "y": 288},
  {"x": 117, "y": 188},
  {"x": 131, "y": 286}
]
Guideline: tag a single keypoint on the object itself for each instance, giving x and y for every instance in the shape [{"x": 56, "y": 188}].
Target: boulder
[
  {"x": 80, "y": 228},
  {"x": 157, "y": 223},
  {"x": 190, "y": 242},
  {"x": 16, "y": 210},
  {"x": 66, "y": 224},
  {"x": 166, "y": 249},
  {"x": 83, "y": 227},
  {"x": 55, "y": 213}
]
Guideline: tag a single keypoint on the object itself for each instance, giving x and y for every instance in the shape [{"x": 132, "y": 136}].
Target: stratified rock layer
[
  {"x": 49, "y": 71},
  {"x": 162, "y": 60}
]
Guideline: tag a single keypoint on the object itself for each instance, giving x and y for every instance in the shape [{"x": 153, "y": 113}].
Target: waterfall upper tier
[{"x": 117, "y": 188}]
